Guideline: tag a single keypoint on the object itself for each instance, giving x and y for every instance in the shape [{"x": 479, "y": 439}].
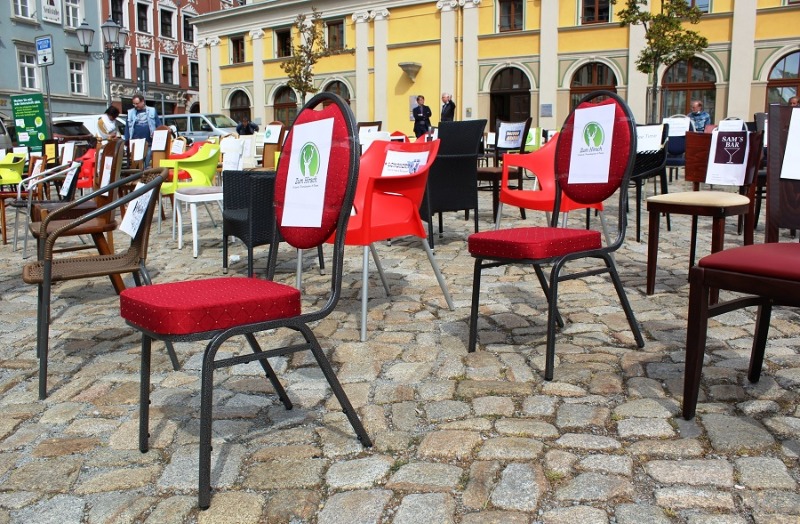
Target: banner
[{"x": 30, "y": 120}]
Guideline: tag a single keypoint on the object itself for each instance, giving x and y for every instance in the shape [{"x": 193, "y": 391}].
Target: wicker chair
[
  {"x": 453, "y": 178},
  {"x": 50, "y": 269}
]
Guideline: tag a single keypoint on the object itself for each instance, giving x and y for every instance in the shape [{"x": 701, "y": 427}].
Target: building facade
[{"x": 499, "y": 58}]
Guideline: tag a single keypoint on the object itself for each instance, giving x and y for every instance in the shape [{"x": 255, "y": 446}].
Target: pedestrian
[
  {"x": 422, "y": 117},
  {"x": 699, "y": 117},
  {"x": 448, "y": 108},
  {"x": 142, "y": 123},
  {"x": 794, "y": 102},
  {"x": 246, "y": 127},
  {"x": 107, "y": 124}
]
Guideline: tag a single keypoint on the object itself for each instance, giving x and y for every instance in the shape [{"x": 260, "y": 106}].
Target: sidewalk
[{"x": 464, "y": 438}]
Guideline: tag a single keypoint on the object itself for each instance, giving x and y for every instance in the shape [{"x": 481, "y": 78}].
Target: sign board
[
  {"x": 44, "y": 50},
  {"x": 29, "y": 119}
]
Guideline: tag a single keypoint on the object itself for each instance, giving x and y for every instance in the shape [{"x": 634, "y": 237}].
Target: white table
[{"x": 193, "y": 196}]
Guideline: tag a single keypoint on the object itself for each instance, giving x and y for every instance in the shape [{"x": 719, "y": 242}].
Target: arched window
[
  {"x": 784, "y": 79},
  {"x": 588, "y": 78},
  {"x": 339, "y": 88},
  {"x": 285, "y": 106},
  {"x": 510, "y": 96},
  {"x": 689, "y": 80},
  {"x": 240, "y": 106}
]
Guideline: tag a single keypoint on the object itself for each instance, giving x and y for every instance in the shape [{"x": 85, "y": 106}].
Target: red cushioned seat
[
  {"x": 767, "y": 260},
  {"x": 532, "y": 242},
  {"x": 197, "y": 306}
]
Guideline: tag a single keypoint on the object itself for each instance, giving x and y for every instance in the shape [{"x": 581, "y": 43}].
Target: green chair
[
  {"x": 202, "y": 167},
  {"x": 11, "y": 168}
]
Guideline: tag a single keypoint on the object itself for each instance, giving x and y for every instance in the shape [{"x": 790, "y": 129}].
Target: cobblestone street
[{"x": 466, "y": 438}]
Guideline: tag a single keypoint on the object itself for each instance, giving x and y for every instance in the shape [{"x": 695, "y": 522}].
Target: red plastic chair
[
  {"x": 217, "y": 309},
  {"x": 88, "y": 168},
  {"x": 194, "y": 148},
  {"x": 399, "y": 136},
  {"x": 553, "y": 246},
  {"x": 387, "y": 207}
]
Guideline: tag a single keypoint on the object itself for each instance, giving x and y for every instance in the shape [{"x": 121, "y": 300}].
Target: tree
[
  {"x": 667, "y": 40},
  {"x": 310, "y": 49}
]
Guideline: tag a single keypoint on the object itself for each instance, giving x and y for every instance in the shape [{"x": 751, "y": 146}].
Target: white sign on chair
[
  {"x": 592, "y": 137},
  {"x": 308, "y": 174}
]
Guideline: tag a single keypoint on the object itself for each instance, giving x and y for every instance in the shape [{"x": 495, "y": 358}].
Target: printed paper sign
[
  {"x": 231, "y": 149},
  {"x": 308, "y": 173},
  {"x": 272, "y": 134},
  {"x": 509, "y": 136},
  {"x": 160, "y": 140},
  {"x": 678, "y": 126},
  {"x": 135, "y": 212},
  {"x": 791, "y": 157},
  {"x": 648, "y": 138},
  {"x": 108, "y": 162},
  {"x": 592, "y": 138},
  {"x": 178, "y": 147},
  {"x": 71, "y": 173},
  {"x": 67, "y": 152},
  {"x": 727, "y": 160},
  {"x": 731, "y": 125},
  {"x": 399, "y": 163},
  {"x": 137, "y": 149}
]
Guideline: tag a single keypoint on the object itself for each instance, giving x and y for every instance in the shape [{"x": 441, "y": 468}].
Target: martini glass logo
[
  {"x": 309, "y": 156},
  {"x": 593, "y": 134}
]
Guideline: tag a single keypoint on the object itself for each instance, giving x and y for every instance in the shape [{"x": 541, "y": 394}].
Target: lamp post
[{"x": 115, "y": 38}]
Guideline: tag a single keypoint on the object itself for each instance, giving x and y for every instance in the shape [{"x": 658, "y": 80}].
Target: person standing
[
  {"x": 107, "y": 124},
  {"x": 448, "y": 108},
  {"x": 422, "y": 117},
  {"x": 246, "y": 127},
  {"x": 699, "y": 117},
  {"x": 142, "y": 123}
]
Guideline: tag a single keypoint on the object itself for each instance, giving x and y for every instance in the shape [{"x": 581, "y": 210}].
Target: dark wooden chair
[
  {"x": 767, "y": 274},
  {"x": 509, "y": 137},
  {"x": 650, "y": 164}
]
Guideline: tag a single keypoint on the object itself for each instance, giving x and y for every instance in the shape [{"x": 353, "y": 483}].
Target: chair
[
  {"x": 767, "y": 274},
  {"x": 453, "y": 177},
  {"x": 11, "y": 167},
  {"x": 650, "y": 163},
  {"x": 369, "y": 127},
  {"x": 676, "y": 146},
  {"x": 508, "y": 138},
  {"x": 761, "y": 177},
  {"x": 50, "y": 269},
  {"x": 715, "y": 204},
  {"x": 554, "y": 246},
  {"x": 168, "y": 311},
  {"x": 274, "y": 135},
  {"x": 202, "y": 168},
  {"x": 387, "y": 205}
]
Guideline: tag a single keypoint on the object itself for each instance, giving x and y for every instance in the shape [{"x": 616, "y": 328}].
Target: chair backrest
[
  {"x": 651, "y": 149},
  {"x": 510, "y": 136},
  {"x": 50, "y": 150},
  {"x": 783, "y": 193},
  {"x": 676, "y": 145},
  {"x": 274, "y": 135},
  {"x": 698, "y": 148},
  {"x": 108, "y": 168},
  {"x": 679, "y": 124},
  {"x": 369, "y": 127},
  {"x": 316, "y": 182},
  {"x": 178, "y": 146},
  {"x": 602, "y": 157}
]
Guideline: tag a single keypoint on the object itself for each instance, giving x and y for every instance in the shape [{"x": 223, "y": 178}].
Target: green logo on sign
[
  {"x": 268, "y": 133},
  {"x": 593, "y": 134},
  {"x": 309, "y": 156}
]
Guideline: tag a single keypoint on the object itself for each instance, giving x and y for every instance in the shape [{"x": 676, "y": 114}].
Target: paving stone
[
  {"x": 640, "y": 514},
  {"x": 784, "y": 426},
  {"x": 447, "y": 410},
  {"x": 480, "y": 388},
  {"x": 644, "y": 428},
  {"x": 292, "y": 505},
  {"x": 644, "y": 408},
  {"x": 540, "y": 405},
  {"x": 427, "y": 507},
  {"x": 173, "y": 509},
  {"x": 520, "y": 487},
  {"x": 674, "y": 449},
  {"x": 425, "y": 477},
  {"x": 587, "y": 442},
  {"x": 449, "y": 444},
  {"x": 715, "y": 519},
  {"x": 61, "y": 509},
  {"x": 233, "y": 507},
  {"x": 496, "y": 517},
  {"x": 118, "y": 480},
  {"x": 578, "y": 416},
  {"x": 125, "y": 508},
  {"x": 499, "y": 406},
  {"x": 582, "y": 514},
  {"x": 729, "y": 433},
  {"x": 611, "y": 464},
  {"x": 181, "y": 472},
  {"x": 588, "y": 487},
  {"x": 45, "y": 476},
  {"x": 771, "y": 501},
  {"x": 359, "y": 473},
  {"x": 764, "y": 473},
  {"x": 718, "y": 473},
  {"x": 510, "y": 448},
  {"x": 693, "y": 497},
  {"x": 526, "y": 428},
  {"x": 482, "y": 478},
  {"x": 355, "y": 506}
]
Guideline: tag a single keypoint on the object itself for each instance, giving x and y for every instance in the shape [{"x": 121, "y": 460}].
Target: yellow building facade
[{"x": 498, "y": 58}]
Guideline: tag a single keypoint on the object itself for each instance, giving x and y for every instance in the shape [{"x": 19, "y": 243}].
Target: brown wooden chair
[
  {"x": 504, "y": 143},
  {"x": 768, "y": 274},
  {"x": 272, "y": 143},
  {"x": 51, "y": 268},
  {"x": 715, "y": 204}
]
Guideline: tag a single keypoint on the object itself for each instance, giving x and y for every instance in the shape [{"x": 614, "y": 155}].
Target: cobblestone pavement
[{"x": 472, "y": 438}]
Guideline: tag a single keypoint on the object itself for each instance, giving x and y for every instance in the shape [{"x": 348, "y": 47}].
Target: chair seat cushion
[
  {"x": 766, "y": 260},
  {"x": 532, "y": 242},
  {"x": 201, "y": 190},
  {"x": 701, "y": 198},
  {"x": 197, "y": 306}
]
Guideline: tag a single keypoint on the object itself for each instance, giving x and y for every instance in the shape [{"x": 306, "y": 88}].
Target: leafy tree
[
  {"x": 311, "y": 47},
  {"x": 667, "y": 40}
]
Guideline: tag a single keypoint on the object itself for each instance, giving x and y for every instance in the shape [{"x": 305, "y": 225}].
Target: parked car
[
  {"x": 199, "y": 126},
  {"x": 72, "y": 131},
  {"x": 90, "y": 121}
]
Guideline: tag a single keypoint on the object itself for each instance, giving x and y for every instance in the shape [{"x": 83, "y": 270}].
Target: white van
[
  {"x": 90, "y": 121},
  {"x": 199, "y": 126}
]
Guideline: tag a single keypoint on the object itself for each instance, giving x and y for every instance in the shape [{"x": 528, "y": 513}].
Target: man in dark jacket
[
  {"x": 246, "y": 127},
  {"x": 448, "y": 108}
]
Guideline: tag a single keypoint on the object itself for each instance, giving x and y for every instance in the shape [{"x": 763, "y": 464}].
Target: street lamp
[{"x": 115, "y": 38}]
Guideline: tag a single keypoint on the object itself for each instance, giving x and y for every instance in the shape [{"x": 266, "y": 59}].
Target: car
[
  {"x": 199, "y": 126},
  {"x": 72, "y": 131},
  {"x": 90, "y": 121}
]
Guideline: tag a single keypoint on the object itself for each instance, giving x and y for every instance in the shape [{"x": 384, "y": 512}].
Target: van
[
  {"x": 90, "y": 122},
  {"x": 198, "y": 126}
]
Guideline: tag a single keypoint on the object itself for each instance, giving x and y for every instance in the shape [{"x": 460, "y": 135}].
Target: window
[
  {"x": 285, "y": 106},
  {"x": 237, "y": 49},
  {"x": 588, "y": 78},
  {"x": 168, "y": 70},
  {"x": 335, "y": 33},
  {"x": 595, "y": 12},
  {"x": 72, "y": 13},
  {"x": 340, "y": 89},
  {"x": 27, "y": 71},
  {"x": 165, "y": 23},
  {"x": 22, "y": 8},
  {"x": 510, "y": 15},
  {"x": 194, "y": 75},
  {"x": 116, "y": 11},
  {"x": 283, "y": 43},
  {"x": 143, "y": 73},
  {"x": 119, "y": 63},
  {"x": 188, "y": 29},
  {"x": 143, "y": 18},
  {"x": 77, "y": 77},
  {"x": 784, "y": 79},
  {"x": 702, "y": 5},
  {"x": 240, "y": 106},
  {"x": 685, "y": 81}
]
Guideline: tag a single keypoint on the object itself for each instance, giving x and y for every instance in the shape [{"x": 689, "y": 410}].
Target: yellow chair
[
  {"x": 11, "y": 168},
  {"x": 202, "y": 167}
]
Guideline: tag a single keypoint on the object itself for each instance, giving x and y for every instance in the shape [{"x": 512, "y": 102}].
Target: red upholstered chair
[
  {"x": 553, "y": 246},
  {"x": 217, "y": 309},
  {"x": 767, "y": 274},
  {"x": 388, "y": 206}
]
